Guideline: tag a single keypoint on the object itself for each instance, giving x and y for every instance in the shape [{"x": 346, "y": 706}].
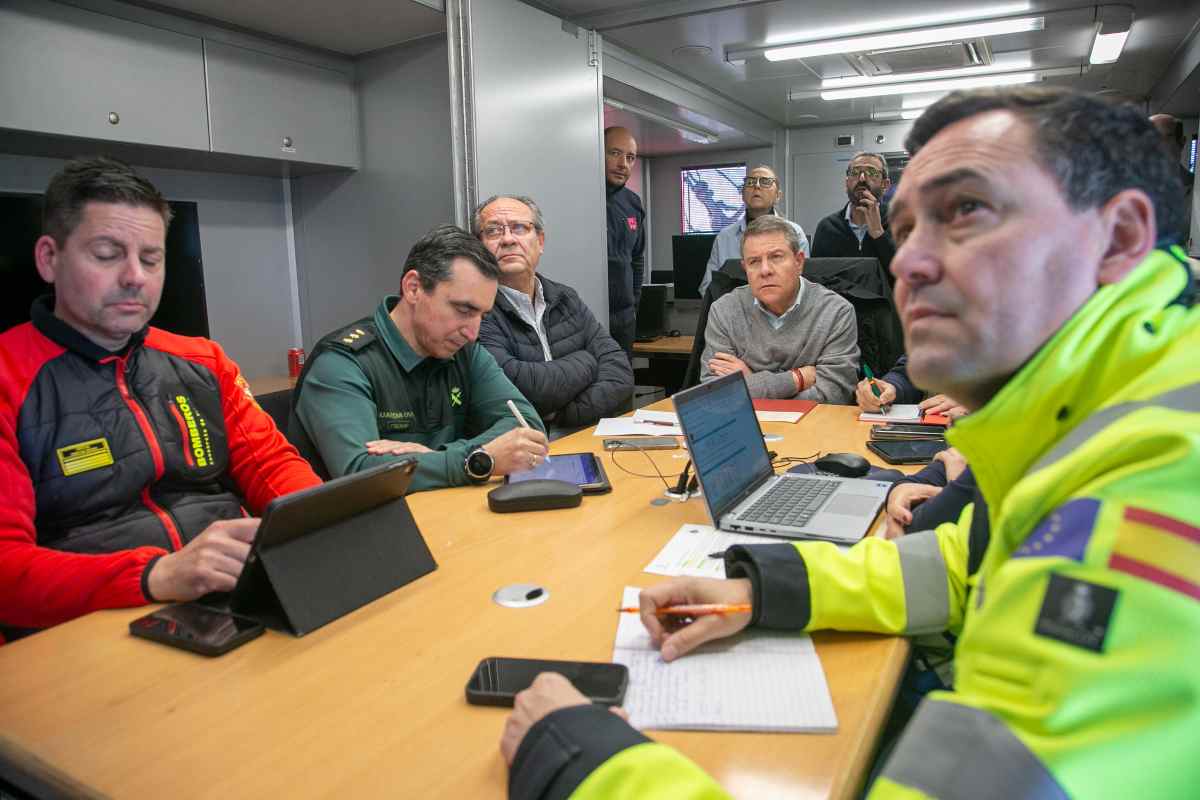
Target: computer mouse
[{"x": 847, "y": 465}]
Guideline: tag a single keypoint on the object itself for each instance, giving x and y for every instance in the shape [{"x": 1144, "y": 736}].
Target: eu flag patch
[{"x": 1065, "y": 532}]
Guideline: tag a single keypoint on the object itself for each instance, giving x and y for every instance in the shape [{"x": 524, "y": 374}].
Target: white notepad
[
  {"x": 756, "y": 681},
  {"x": 900, "y": 413}
]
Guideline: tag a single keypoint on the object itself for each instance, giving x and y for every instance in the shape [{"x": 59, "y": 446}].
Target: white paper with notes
[{"x": 756, "y": 681}]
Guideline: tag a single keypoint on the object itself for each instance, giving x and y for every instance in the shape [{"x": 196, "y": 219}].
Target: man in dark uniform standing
[{"x": 626, "y": 236}]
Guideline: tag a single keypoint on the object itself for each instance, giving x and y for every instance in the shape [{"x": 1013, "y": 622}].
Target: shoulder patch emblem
[
  {"x": 1076, "y": 612},
  {"x": 632, "y": 222},
  {"x": 84, "y": 457},
  {"x": 1159, "y": 549},
  {"x": 1064, "y": 532}
]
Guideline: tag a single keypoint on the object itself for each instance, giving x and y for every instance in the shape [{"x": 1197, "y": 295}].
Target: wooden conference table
[{"x": 372, "y": 704}]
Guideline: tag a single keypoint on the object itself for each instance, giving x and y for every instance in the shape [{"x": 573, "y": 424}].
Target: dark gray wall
[
  {"x": 243, "y": 242},
  {"x": 353, "y": 231}
]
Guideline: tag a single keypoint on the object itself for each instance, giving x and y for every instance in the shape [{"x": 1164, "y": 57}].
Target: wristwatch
[{"x": 478, "y": 465}]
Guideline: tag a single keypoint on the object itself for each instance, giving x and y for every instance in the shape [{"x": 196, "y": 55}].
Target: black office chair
[
  {"x": 278, "y": 406},
  {"x": 725, "y": 280},
  {"x": 864, "y": 284}
]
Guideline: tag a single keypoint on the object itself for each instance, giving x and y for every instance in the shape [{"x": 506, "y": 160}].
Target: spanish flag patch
[{"x": 1159, "y": 549}]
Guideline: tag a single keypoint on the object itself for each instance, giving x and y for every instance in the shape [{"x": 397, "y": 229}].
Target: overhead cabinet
[
  {"x": 261, "y": 105},
  {"x": 71, "y": 72}
]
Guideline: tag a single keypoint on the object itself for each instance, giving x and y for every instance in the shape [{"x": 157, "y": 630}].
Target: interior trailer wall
[
  {"x": 815, "y": 185},
  {"x": 354, "y": 231},
  {"x": 243, "y": 241}
]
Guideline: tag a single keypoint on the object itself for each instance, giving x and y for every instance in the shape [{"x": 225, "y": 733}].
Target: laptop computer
[
  {"x": 651, "y": 313},
  {"x": 741, "y": 489}
]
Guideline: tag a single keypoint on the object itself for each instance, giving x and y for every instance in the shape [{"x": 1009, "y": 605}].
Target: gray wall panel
[
  {"x": 242, "y": 238},
  {"x": 354, "y": 231},
  {"x": 537, "y": 108}
]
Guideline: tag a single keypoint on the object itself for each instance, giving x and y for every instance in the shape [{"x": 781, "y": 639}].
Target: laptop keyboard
[{"x": 790, "y": 502}]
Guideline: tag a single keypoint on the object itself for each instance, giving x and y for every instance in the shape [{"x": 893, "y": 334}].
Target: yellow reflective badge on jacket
[{"x": 85, "y": 456}]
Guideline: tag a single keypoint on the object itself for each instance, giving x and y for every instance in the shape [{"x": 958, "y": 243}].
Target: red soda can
[{"x": 295, "y": 361}]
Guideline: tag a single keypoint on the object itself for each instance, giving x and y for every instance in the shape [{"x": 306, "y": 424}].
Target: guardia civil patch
[
  {"x": 1076, "y": 612},
  {"x": 84, "y": 457}
]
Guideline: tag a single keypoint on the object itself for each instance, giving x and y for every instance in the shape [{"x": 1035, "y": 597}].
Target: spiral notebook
[{"x": 756, "y": 681}]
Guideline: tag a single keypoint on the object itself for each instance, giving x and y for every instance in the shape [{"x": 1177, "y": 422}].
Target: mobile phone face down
[
  {"x": 915, "y": 428},
  {"x": 642, "y": 443},
  {"x": 911, "y": 451},
  {"x": 497, "y": 680},
  {"x": 196, "y": 628}
]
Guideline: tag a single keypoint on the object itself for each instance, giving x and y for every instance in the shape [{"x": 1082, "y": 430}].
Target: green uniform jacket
[
  {"x": 340, "y": 409},
  {"x": 1079, "y": 635}
]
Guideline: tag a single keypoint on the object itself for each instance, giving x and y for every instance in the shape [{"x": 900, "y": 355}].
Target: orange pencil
[{"x": 695, "y": 610}]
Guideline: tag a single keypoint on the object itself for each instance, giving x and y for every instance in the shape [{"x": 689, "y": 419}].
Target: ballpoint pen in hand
[
  {"x": 884, "y": 407},
  {"x": 696, "y": 610}
]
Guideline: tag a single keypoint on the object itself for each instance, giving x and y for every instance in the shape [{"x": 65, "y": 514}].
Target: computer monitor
[
  {"x": 182, "y": 309},
  {"x": 689, "y": 255},
  {"x": 651, "y": 312}
]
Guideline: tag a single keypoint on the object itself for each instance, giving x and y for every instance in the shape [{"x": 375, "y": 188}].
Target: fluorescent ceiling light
[
  {"x": 919, "y": 102},
  {"x": 892, "y": 24},
  {"x": 931, "y": 86},
  {"x": 689, "y": 132},
  {"x": 911, "y": 113},
  {"x": 909, "y": 77},
  {"x": 1107, "y": 47},
  {"x": 908, "y": 38}
]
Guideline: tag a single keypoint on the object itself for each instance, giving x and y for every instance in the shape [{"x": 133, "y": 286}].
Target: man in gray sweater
[{"x": 792, "y": 338}]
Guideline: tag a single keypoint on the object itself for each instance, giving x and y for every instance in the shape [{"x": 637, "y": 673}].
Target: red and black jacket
[{"x": 110, "y": 460}]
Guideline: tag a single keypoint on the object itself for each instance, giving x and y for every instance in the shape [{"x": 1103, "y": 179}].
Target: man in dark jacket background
[
  {"x": 626, "y": 237},
  {"x": 860, "y": 227},
  {"x": 540, "y": 332}
]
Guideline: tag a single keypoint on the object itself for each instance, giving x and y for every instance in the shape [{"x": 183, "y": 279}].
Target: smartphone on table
[
  {"x": 497, "y": 680},
  {"x": 197, "y": 628}
]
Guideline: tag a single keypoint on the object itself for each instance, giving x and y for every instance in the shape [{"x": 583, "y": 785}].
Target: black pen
[{"x": 718, "y": 556}]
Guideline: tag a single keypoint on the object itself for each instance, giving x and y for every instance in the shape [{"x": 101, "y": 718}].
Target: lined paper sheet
[
  {"x": 756, "y": 681},
  {"x": 897, "y": 413}
]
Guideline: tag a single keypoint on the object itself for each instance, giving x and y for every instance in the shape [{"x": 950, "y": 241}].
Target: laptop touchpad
[{"x": 854, "y": 505}]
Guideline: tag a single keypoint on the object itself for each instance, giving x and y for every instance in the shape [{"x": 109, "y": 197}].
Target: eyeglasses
[
  {"x": 870, "y": 172},
  {"x": 519, "y": 229},
  {"x": 765, "y": 183}
]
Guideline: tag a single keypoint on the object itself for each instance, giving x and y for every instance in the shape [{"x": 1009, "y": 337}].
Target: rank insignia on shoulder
[
  {"x": 1076, "y": 612},
  {"x": 355, "y": 338}
]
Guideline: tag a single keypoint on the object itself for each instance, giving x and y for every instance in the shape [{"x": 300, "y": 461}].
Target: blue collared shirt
[
  {"x": 531, "y": 311},
  {"x": 728, "y": 245}
]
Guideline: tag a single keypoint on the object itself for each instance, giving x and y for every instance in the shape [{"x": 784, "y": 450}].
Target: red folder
[{"x": 803, "y": 406}]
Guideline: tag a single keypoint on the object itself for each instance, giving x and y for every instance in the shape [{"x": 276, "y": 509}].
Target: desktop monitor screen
[
  {"x": 689, "y": 254},
  {"x": 652, "y": 311},
  {"x": 182, "y": 310}
]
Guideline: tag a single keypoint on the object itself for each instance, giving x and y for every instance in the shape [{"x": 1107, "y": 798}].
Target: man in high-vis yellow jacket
[{"x": 1037, "y": 285}]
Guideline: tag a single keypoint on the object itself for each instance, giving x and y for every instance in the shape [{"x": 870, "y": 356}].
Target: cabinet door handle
[
  {"x": 287, "y": 142},
  {"x": 114, "y": 118}
]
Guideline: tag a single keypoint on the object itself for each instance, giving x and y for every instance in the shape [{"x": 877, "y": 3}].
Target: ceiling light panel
[
  {"x": 946, "y": 85},
  {"x": 907, "y": 38},
  {"x": 1011, "y": 65},
  {"x": 1107, "y": 47}
]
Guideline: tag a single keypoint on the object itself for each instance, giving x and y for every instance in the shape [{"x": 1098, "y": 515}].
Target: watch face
[{"x": 479, "y": 465}]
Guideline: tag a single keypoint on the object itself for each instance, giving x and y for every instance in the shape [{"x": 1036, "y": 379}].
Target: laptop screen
[{"x": 725, "y": 440}]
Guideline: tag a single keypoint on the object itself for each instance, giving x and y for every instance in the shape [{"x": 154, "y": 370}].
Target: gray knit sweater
[{"x": 820, "y": 332}]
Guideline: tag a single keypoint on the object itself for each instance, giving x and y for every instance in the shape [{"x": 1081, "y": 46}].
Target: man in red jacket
[{"x": 129, "y": 456}]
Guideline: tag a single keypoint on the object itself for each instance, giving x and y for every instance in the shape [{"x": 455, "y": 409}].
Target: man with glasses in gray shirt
[
  {"x": 860, "y": 227},
  {"x": 540, "y": 332},
  {"x": 761, "y": 191}
]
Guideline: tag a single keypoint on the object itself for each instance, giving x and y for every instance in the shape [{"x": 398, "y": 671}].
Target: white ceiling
[{"x": 690, "y": 37}]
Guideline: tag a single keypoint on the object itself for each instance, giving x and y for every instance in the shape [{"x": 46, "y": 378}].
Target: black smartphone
[
  {"x": 910, "y": 451},
  {"x": 905, "y": 430},
  {"x": 197, "y": 628},
  {"x": 642, "y": 443},
  {"x": 497, "y": 680}
]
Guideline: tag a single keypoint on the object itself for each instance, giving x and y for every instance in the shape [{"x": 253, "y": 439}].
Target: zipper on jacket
[{"x": 155, "y": 451}]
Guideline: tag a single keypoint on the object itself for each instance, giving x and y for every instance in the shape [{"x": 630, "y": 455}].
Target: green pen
[{"x": 875, "y": 387}]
